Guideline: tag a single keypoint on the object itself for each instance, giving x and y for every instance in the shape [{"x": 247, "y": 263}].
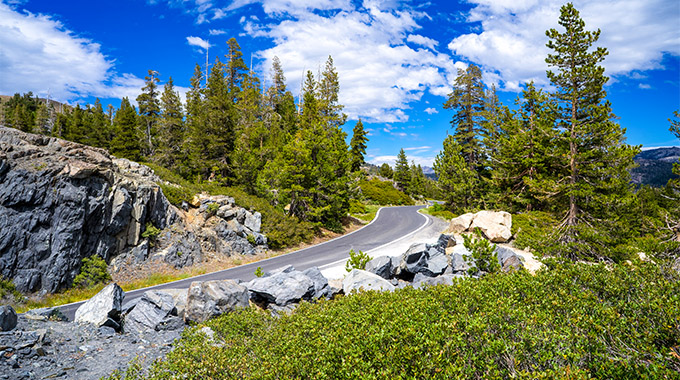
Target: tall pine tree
[
  {"x": 127, "y": 143},
  {"x": 171, "y": 129},
  {"x": 402, "y": 172},
  {"x": 149, "y": 111},
  {"x": 358, "y": 146},
  {"x": 457, "y": 181}
]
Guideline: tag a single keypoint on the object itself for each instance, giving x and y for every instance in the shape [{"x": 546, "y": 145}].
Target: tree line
[
  {"x": 231, "y": 130},
  {"x": 559, "y": 152}
]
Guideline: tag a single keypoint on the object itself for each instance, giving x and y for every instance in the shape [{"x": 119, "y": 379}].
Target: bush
[
  {"x": 151, "y": 232},
  {"x": 9, "y": 292},
  {"x": 384, "y": 193},
  {"x": 483, "y": 254},
  {"x": 356, "y": 207},
  {"x": 440, "y": 211},
  {"x": 212, "y": 209},
  {"x": 573, "y": 321},
  {"x": 533, "y": 230},
  {"x": 259, "y": 272},
  {"x": 93, "y": 271},
  {"x": 357, "y": 260}
]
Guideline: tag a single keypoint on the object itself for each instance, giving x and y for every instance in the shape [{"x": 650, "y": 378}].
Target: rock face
[
  {"x": 8, "y": 318},
  {"x": 103, "y": 309},
  {"x": 61, "y": 202},
  {"x": 212, "y": 298},
  {"x": 150, "y": 311},
  {"x": 495, "y": 225}
]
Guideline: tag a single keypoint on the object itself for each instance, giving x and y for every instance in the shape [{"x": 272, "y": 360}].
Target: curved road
[{"x": 391, "y": 224}]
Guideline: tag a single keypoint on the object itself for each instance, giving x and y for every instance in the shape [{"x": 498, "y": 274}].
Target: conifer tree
[
  {"x": 281, "y": 100},
  {"x": 171, "y": 128},
  {"x": 310, "y": 106},
  {"x": 597, "y": 181},
  {"x": 358, "y": 146},
  {"x": 43, "y": 122},
  {"x": 217, "y": 142},
  {"x": 235, "y": 70},
  {"x": 417, "y": 183},
  {"x": 328, "y": 96},
  {"x": 195, "y": 123},
  {"x": 100, "y": 126},
  {"x": 77, "y": 130},
  {"x": 386, "y": 171},
  {"x": 456, "y": 180},
  {"x": 149, "y": 111},
  {"x": 127, "y": 143},
  {"x": 402, "y": 172},
  {"x": 675, "y": 129}
]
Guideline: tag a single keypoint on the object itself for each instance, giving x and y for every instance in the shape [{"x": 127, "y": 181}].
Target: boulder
[
  {"x": 460, "y": 224},
  {"x": 321, "y": 287},
  {"x": 153, "y": 307},
  {"x": 382, "y": 266},
  {"x": 213, "y": 298},
  {"x": 281, "y": 288},
  {"x": 8, "y": 318},
  {"x": 415, "y": 259},
  {"x": 179, "y": 296},
  {"x": 103, "y": 309},
  {"x": 511, "y": 264},
  {"x": 436, "y": 265},
  {"x": 359, "y": 279},
  {"x": 458, "y": 263},
  {"x": 424, "y": 281},
  {"x": 44, "y": 314},
  {"x": 445, "y": 241},
  {"x": 495, "y": 225},
  {"x": 253, "y": 221},
  {"x": 284, "y": 269}
]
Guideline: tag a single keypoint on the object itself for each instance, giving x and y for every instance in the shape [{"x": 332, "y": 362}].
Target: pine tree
[
  {"x": 195, "y": 124},
  {"x": 328, "y": 95},
  {"x": 402, "y": 172},
  {"x": 457, "y": 181},
  {"x": 386, "y": 171},
  {"x": 100, "y": 126},
  {"x": 219, "y": 129},
  {"x": 43, "y": 122},
  {"x": 127, "y": 143},
  {"x": 171, "y": 128},
  {"x": 310, "y": 106},
  {"x": 358, "y": 146},
  {"x": 597, "y": 158},
  {"x": 235, "y": 71},
  {"x": 675, "y": 129},
  {"x": 149, "y": 111},
  {"x": 416, "y": 185}
]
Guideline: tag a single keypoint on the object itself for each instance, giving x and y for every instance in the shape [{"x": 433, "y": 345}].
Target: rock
[
  {"x": 458, "y": 263},
  {"x": 8, "y": 318},
  {"x": 414, "y": 260},
  {"x": 382, "y": 266},
  {"x": 511, "y": 264},
  {"x": 425, "y": 281},
  {"x": 494, "y": 225},
  {"x": 460, "y": 224},
  {"x": 253, "y": 221},
  {"x": 676, "y": 266},
  {"x": 335, "y": 286},
  {"x": 103, "y": 309},
  {"x": 153, "y": 307},
  {"x": 445, "y": 241},
  {"x": 285, "y": 269},
  {"x": 281, "y": 288},
  {"x": 171, "y": 323},
  {"x": 179, "y": 297},
  {"x": 359, "y": 279},
  {"x": 321, "y": 287},
  {"x": 212, "y": 298},
  {"x": 106, "y": 331},
  {"x": 44, "y": 314},
  {"x": 436, "y": 265}
]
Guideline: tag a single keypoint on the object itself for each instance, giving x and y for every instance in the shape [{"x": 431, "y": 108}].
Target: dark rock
[
  {"x": 282, "y": 288},
  {"x": 153, "y": 307},
  {"x": 414, "y": 260},
  {"x": 103, "y": 309},
  {"x": 382, "y": 266},
  {"x": 106, "y": 331},
  {"x": 321, "y": 287},
  {"x": 445, "y": 241},
  {"x": 50, "y": 313},
  {"x": 8, "y": 318},
  {"x": 436, "y": 265},
  {"x": 213, "y": 298},
  {"x": 512, "y": 263},
  {"x": 171, "y": 323}
]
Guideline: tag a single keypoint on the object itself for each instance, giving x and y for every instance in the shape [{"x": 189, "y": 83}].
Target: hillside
[{"x": 655, "y": 166}]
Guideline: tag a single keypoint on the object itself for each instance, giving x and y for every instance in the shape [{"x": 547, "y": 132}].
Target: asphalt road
[{"x": 391, "y": 223}]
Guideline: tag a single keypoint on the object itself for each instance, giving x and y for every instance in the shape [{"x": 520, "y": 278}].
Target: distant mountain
[
  {"x": 655, "y": 166},
  {"x": 429, "y": 173}
]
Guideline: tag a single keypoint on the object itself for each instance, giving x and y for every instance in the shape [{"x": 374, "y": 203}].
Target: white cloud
[
  {"x": 431, "y": 110},
  {"x": 422, "y": 40},
  {"x": 380, "y": 76},
  {"x": 216, "y": 32},
  {"x": 511, "y": 47},
  {"x": 418, "y": 148},
  {"x": 391, "y": 160},
  {"x": 38, "y": 54},
  {"x": 644, "y": 86},
  {"x": 199, "y": 42}
]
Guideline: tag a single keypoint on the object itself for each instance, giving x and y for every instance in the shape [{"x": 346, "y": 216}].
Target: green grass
[
  {"x": 369, "y": 215},
  {"x": 439, "y": 211},
  {"x": 571, "y": 321}
]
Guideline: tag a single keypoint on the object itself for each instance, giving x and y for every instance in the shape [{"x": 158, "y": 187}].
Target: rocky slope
[
  {"x": 655, "y": 166},
  {"x": 61, "y": 201}
]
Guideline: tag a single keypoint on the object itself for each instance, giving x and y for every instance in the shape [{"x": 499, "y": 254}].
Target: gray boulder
[
  {"x": 414, "y": 260},
  {"x": 103, "y": 309},
  {"x": 179, "y": 296},
  {"x": 213, "y": 298},
  {"x": 8, "y": 318},
  {"x": 281, "y": 288},
  {"x": 436, "y": 265},
  {"x": 44, "y": 314},
  {"x": 285, "y": 269},
  {"x": 153, "y": 307},
  {"x": 382, "y": 266},
  {"x": 445, "y": 241},
  {"x": 458, "y": 263},
  {"x": 359, "y": 279},
  {"x": 421, "y": 281},
  {"x": 253, "y": 221},
  {"x": 321, "y": 287},
  {"x": 508, "y": 259}
]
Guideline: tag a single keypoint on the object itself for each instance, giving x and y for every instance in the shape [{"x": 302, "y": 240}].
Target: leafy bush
[
  {"x": 357, "y": 260},
  {"x": 9, "y": 292},
  {"x": 533, "y": 230},
  {"x": 356, "y": 207},
  {"x": 483, "y": 254},
  {"x": 212, "y": 209},
  {"x": 384, "y": 193},
  {"x": 93, "y": 271},
  {"x": 151, "y": 232},
  {"x": 573, "y": 321},
  {"x": 251, "y": 239},
  {"x": 440, "y": 211},
  {"x": 259, "y": 272}
]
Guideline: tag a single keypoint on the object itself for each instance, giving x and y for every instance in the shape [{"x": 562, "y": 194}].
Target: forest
[{"x": 557, "y": 159}]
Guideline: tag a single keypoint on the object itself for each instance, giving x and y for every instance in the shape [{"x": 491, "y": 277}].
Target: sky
[{"x": 397, "y": 59}]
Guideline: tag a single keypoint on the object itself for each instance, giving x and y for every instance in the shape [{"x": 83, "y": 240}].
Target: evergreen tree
[
  {"x": 456, "y": 180},
  {"x": 171, "y": 129},
  {"x": 358, "y": 146},
  {"x": 402, "y": 172},
  {"x": 281, "y": 100},
  {"x": 416, "y": 185},
  {"x": 195, "y": 124},
  {"x": 597, "y": 182},
  {"x": 328, "y": 94},
  {"x": 100, "y": 126},
  {"x": 386, "y": 171},
  {"x": 467, "y": 100},
  {"x": 310, "y": 107},
  {"x": 77, "y": 130},
  {"x": 127, "y": 143},
  {"x": 149, "y": 111},
  {"x": 235, "y": 71},
  {"x": 43, "y": 121},
  {"x": 675, "y": 129},
  {"x": 219, "y": 129}
]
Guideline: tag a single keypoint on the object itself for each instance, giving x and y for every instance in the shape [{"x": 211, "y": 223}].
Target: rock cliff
[{"x": 61, "y": 201}]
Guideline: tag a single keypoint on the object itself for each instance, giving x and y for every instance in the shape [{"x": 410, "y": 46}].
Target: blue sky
[{"x": 396, "y": 59}]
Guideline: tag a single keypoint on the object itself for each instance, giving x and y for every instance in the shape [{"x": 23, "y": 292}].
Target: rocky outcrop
[
  {"x": 61, "y": 202},
  {"x": 8, "y": 318},
  {"x": 212, "y": 298},
  {"x": 495, "y": 225}
]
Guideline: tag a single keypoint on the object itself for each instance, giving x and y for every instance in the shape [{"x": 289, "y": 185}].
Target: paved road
[{"x": 391, "y": 223}]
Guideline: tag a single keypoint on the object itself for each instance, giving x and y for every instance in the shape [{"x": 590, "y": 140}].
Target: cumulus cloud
[
  {"x": 199, "y": 42},
  {"x": 511, "y": 44},
  {"x": 431, "y": 110},
  {"x": 216, "y": 32},
  {"x": 38, "y": 54},
  {"x": 391, "y": 160},
  {"x": 422, "y": 40},
  {"x": 380, "y": 75}
]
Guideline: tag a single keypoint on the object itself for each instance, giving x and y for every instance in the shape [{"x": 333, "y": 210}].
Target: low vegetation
[
  {"x": 571, "y": 321},
  {"x": 384, "y": 193},
  {"x": 357, "y": 260},
  {"x": 439, "y": 211},
  {"x": 93, "y": 271}
]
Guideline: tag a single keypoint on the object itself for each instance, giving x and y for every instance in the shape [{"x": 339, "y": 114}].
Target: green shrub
[
  {"x": 259, "y": 272},
  {"x": 384, "y": 193},
  {"x": 251, "y": 239},
  {"x": 483, "y": 254},
  {"x": 440, "y": 211},
  {"x": 356, "y": 207},
  {"x": 533, "y": 230},
  {"x": 151, "y": 233},
  {"x": 357, "y": 260},
  {"x": 212, "y": 209},
  {"x": 573, "y": 321},
  {"x": 9, "y": 292},
  {"x": 93, "y": 271}
]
